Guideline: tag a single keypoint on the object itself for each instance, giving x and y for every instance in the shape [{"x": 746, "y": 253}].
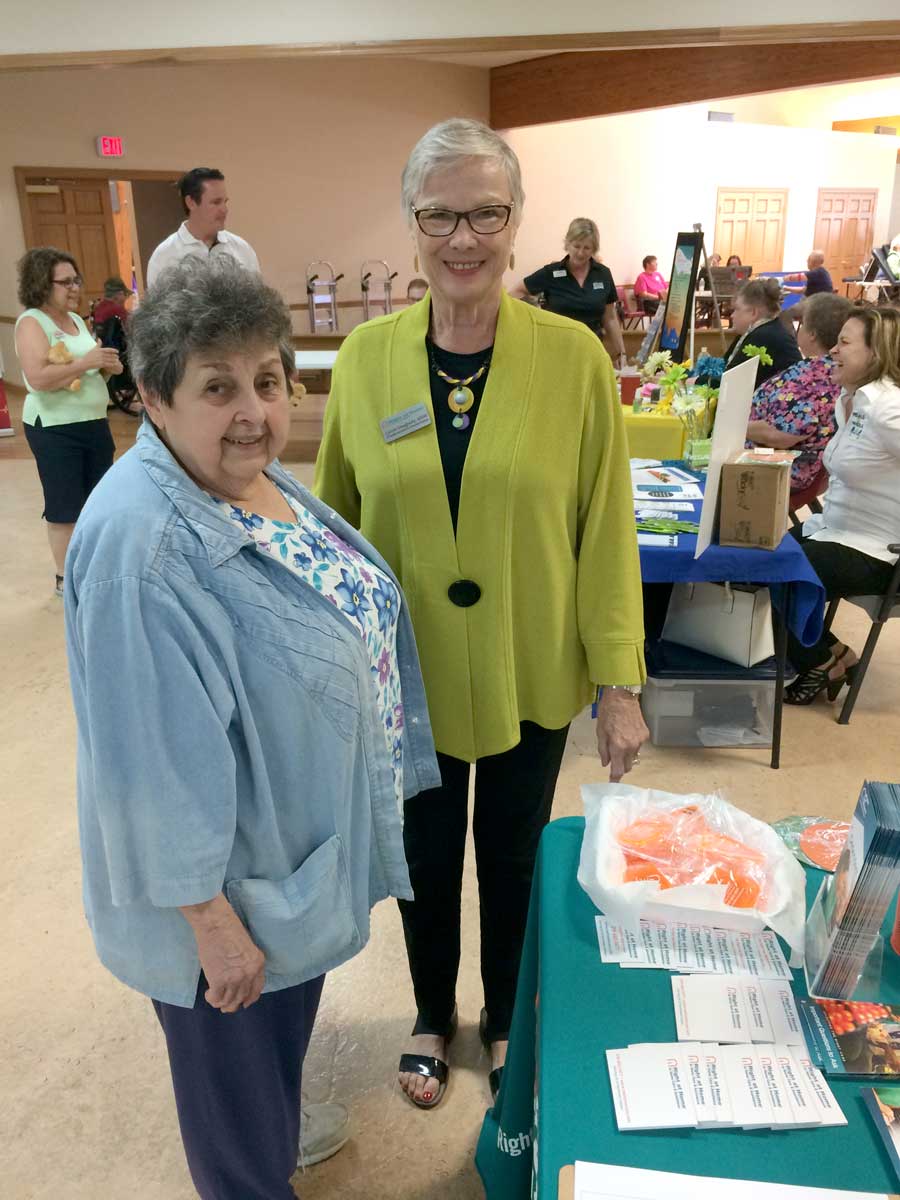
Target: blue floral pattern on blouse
[
  {"x": 364, "y": 594},
  {"x": 800, "y": 401}
]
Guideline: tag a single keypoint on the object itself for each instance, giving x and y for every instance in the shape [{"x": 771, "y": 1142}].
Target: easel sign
[
  {"x": 649, "y": 338},
  {"x": 679, "y": 312}
]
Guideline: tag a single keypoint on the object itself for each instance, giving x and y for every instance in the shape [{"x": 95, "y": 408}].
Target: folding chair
[
  {"x": 880, "y": 609},
  {"x": 631, "y": 318}
]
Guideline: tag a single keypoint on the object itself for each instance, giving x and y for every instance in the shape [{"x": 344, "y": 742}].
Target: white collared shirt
[
  {"x": 861, "y": 507},
  {"x": 182, "y": 243}
]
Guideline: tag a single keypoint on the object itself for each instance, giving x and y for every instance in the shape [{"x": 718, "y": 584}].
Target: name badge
[
  {"x": 599, "y": 286},
  {"x": 559, "y": 274},
  {"x": 857, "y": 421},
  {"x": 403, "y": 423}
]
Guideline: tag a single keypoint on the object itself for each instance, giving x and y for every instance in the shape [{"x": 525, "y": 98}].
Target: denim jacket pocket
[{"x": 304, "y": 923}]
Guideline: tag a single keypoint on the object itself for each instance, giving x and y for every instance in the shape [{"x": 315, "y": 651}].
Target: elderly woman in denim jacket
[{"x": 251, "y": 717}]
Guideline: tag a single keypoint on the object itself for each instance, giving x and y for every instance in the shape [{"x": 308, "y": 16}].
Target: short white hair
[{"x": 446, "y": 144}]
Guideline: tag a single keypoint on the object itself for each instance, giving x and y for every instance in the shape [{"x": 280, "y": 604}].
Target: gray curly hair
[
  {"x": 199, "y": 305},
  {"x": 444, "y": 145}
]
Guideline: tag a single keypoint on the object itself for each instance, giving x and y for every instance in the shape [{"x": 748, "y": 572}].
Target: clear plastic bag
[{"x": 648, "y": 853}]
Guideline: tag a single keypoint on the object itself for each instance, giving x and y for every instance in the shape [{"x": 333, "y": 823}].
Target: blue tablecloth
[{"x": 720, "y": 564}]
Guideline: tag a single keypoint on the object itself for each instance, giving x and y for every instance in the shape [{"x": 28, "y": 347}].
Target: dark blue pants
[{"x": 237, "y": 1089}]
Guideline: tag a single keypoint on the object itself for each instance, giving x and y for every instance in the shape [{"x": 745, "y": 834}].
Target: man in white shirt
[{"x": 205, "y": 201}]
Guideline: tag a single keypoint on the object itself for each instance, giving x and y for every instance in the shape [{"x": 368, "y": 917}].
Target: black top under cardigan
[{"x": 773, "y": 336}]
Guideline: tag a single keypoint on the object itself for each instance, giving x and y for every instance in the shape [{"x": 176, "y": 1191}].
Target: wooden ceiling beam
[
  {"x": 565, "y": 87},
  {"x": 708, "y": 36}
]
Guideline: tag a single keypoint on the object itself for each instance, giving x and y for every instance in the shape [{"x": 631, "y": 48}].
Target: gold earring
[
  {"x": 512, "y": 261},
  {"x": 416, "y": 264}
]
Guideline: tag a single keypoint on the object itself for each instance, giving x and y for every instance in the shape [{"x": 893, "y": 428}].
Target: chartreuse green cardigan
[{"x": 546, "y": 523}]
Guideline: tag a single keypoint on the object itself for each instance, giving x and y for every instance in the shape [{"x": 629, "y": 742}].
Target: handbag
[{"x": 730, "y": 621}]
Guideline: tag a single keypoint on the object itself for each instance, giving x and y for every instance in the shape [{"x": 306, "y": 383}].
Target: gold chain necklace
[{"x": 461, "y": 397}]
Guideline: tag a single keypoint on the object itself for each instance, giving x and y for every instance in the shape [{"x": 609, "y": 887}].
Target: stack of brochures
[
  {"x": 687, "y": 946},
  {"x": 740, "y": 1062},
  {"x": 844, "y": 922}
]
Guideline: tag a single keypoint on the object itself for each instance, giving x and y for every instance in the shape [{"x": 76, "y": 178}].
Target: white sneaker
[{"x": 324, "y": 1129}]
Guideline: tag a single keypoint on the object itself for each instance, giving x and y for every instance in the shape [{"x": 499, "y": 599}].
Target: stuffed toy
[{"x": 59, "y": 355}]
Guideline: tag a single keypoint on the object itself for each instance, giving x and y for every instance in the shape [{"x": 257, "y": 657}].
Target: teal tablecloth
[{"x": 570, "y": 1007}]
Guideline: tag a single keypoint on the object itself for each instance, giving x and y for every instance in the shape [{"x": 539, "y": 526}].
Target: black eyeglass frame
[
  {"x": 73, "y": 281},
  {"x": 417, "y": 212}
]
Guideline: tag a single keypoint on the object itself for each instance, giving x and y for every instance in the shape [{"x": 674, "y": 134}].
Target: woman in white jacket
[{"x": 849, "y": 542}]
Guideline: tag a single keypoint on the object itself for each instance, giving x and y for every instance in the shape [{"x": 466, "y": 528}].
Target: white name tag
[
  {"x": 857, "y": 421},
  {"x": 403, "y": 423},
  {"x": 599, "y": 286},
  {"x": 559, "y": 274}
]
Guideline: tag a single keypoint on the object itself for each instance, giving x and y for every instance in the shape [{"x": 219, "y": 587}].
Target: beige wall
[
  {"x": 312, "y": 151},
  {"x": 644, "y": 176}
]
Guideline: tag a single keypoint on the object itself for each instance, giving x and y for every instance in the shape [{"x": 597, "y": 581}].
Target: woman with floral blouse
[{"x": 794, "y": 410}]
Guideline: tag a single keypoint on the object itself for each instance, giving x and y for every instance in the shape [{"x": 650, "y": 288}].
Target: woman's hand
[
  {"x": 234, "y": 966},
  {"x": 620, "y": 732},
  {"x": 101, "y": 358}
]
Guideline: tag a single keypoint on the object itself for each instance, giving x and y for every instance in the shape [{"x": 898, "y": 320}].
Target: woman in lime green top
[
  {"x": 478, "y": 443},
  {"x": 65, "y": 408}
]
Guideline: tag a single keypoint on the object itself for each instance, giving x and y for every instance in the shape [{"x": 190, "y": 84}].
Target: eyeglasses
[
  {"x": 74, "y": 281},
  {"x": 441, "y": 222}
]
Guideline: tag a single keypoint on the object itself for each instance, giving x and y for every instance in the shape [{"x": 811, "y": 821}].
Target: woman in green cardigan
[{"x": 477, "y": 441}]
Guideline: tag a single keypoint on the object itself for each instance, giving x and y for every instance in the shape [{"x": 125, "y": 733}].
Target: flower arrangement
[
  {"x": 759, "y": 352},
  {"x": 657, "y": 362}
]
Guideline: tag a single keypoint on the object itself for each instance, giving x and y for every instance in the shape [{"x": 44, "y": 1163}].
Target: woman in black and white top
[{"x": 847, "y": 543}]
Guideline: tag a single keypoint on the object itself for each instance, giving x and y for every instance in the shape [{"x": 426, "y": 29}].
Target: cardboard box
[{"x": 754, "y": 499}]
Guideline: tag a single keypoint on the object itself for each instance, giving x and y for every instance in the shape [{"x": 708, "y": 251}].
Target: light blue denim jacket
[{"x": 228, "y": 736}]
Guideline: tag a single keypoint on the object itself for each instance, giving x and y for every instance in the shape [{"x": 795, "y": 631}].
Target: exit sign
[{"x": 110, "y": 147}]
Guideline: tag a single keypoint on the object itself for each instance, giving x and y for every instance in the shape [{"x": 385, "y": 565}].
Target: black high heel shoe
[
  {"x": 806, "y": 687},
  {"x": 835, "y": 685}
]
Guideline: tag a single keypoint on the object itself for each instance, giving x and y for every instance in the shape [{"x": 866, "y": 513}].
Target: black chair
[
  {"x": 121, "y": 388},
  {"x": 879, "y": 609}
]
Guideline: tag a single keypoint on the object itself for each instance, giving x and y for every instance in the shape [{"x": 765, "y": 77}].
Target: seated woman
[
  {"x": 650, "y": 287},
  {"x": 734, "y": 260},
  {"x": 847, "y": 543},
  {"x": 794, "y": 410},
  {"x": 251, "y": 716},
  {"x": 756, "y": 320}
]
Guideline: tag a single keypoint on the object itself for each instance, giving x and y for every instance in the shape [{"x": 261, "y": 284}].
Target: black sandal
[
  {"x": 495, "y": 1078},
  {"x": 805, "y": 689},
  {"x": 429, "y": 1067}
]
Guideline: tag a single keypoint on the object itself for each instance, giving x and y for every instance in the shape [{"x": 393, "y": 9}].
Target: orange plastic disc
[{"x": 823, "y": 842}]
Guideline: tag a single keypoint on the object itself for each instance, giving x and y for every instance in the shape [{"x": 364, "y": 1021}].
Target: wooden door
[
  {"x": 845, "y": 223},
  {"x": 76, "y": 215},
  {"x": 750, "y": 222}
]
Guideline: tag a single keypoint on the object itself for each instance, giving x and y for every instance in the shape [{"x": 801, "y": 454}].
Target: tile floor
[{"x": 87, "y": 1108}]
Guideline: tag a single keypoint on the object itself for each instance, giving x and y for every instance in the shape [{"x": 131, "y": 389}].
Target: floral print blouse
[
  {"x": 800, "y": 401},
  {"x": 363, "y": 593}
]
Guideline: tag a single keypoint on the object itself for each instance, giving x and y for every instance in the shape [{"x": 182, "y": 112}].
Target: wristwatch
[{"x": 633, "y": 689}]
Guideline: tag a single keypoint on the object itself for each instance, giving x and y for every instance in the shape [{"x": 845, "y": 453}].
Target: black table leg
[{"x": 780, "y": 618}]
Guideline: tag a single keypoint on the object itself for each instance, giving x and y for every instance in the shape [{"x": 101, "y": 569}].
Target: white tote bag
[{"x": 729, "y": 621}]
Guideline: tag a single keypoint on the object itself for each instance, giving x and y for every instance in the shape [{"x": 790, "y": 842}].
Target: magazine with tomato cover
[{"x": 859, "y": 1039}]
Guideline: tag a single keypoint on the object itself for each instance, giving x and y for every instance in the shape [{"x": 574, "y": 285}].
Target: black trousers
[
  {"x": 237, "y": 1089},
  {"x": 843, "y": 572},
  {"x": 513, "y": 798},
  {"x": 71, "y": 461}
]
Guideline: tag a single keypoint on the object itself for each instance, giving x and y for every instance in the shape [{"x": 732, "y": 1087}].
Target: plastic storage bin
[{"x": 693, "y": 699}]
